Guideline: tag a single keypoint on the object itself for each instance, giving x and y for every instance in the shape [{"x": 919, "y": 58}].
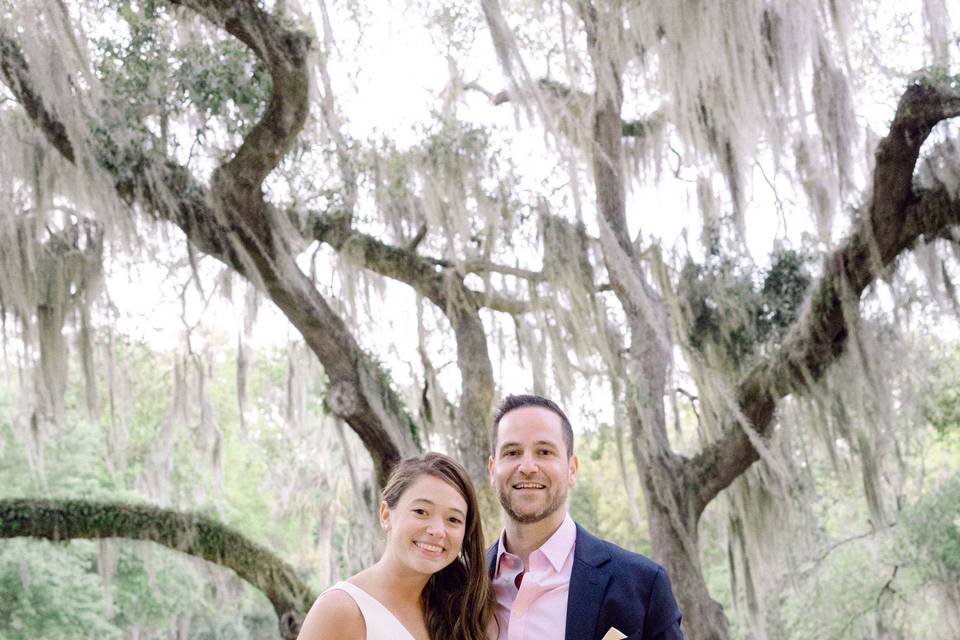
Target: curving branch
[
  {"x": 189, "y": 533},
  {"x": 231, "y": 221},
  {"x": 897, "y": 218},
  {"x": 284, "y": 52}
]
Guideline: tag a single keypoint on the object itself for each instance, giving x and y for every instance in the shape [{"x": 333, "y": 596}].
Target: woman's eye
[
  {"x": 456, "y": 521},
  {"x": 420, "y": 512}
]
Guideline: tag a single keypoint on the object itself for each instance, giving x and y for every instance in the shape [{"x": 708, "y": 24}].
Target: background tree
[{"x": 200, "y": 114}]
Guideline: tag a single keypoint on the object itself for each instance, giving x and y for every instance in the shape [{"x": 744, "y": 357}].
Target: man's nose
[{"x": 527, "y": 463}]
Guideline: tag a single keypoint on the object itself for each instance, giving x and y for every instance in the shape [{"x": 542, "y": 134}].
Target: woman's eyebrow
[{"x": 433, "y": 504}]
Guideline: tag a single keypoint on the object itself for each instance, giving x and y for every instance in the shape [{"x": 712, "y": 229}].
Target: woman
[{"x": 431, "y": 582}]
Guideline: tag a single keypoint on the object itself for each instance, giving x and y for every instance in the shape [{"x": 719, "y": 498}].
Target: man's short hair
[{"x": 512, "y": 402}]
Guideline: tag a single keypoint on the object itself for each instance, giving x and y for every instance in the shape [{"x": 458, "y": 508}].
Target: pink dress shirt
[{"x": 538, "y": 609}]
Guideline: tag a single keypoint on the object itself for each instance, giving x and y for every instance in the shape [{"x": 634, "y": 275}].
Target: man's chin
[
  {"x": 532, "y": 512},
  {"x": 528, "y": 517}
]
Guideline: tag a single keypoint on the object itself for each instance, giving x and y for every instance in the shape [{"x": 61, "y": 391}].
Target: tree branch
[
  {"x": 193, "y": 534},
  {"x": 16, "y": 74},
  {"x": 483, "y": 266},
  {"x": 897, "y": 218},
  {"x": 504, "y": 304},
  {"x": 424, "y": 275},
  {"x": 403, "y": 265},
  {"x": 639, "y": 128},
  {"x": 284, "y": 53},
  {"x": 445, "y": 288},
  {"x": 235, "y": 225}
]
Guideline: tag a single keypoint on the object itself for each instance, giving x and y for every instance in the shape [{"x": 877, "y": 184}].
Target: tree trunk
[{"x": 673, "y": 537}]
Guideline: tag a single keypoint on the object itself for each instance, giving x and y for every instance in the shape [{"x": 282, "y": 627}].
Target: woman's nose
[{"x": 436, "y": 529}]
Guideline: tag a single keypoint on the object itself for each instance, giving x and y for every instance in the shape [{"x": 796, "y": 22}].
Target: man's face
[{"x": 530, "y": 468}]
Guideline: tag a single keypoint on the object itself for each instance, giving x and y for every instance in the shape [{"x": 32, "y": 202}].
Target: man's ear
[
  {"x": 490, "y": 468},
  {"x": 574, "y": 467}
]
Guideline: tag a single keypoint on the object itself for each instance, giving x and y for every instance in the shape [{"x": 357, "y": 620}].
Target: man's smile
[{"x": 529, "y": 485}]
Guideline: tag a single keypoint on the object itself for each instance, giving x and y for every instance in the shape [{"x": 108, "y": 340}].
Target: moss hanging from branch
[{"x": 193, "y": 534}]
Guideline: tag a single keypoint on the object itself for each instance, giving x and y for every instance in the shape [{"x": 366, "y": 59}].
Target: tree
[
  {"x": 679, "y": 488},
  {"x": 195, "y": 535},
  {"x": 117, "y": 126}
]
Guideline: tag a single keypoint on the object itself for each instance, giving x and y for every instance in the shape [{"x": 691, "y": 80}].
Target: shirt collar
[
  {"x": 556, "y": 548},
  {"x": 560, "y": 544}
]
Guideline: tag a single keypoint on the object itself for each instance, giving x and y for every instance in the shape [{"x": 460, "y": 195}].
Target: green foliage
[
  {"x": 942, "y": 409},
  {"x": 157, "y": 70},
  {"x": 736, "y": 310},
  {"x": 599, "y": 499},
  {"x": 454, "y": 147},
  {"x": 154, "y": 589},
  {"x": 932, "y": 530},
  {"x": 865, "y": 583},
  {"x": 49, "y": 591}
]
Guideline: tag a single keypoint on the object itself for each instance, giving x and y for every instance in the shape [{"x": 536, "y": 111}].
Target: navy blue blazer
[{"x": 613, "y": 587}]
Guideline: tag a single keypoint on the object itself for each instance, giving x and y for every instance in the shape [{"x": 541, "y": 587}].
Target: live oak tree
[{"x": 99, "y": 123}]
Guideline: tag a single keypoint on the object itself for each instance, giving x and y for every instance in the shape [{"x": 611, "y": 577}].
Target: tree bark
[{"x": 193, "y": 534}]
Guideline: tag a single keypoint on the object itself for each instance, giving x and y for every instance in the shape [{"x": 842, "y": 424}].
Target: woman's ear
[{"x": 384, "y": 515}]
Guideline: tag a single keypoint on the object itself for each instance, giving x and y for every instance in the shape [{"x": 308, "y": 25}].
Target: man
[{"x": 552, "y": 579}]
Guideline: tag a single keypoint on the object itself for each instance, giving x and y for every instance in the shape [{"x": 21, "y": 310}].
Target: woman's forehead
[{"x": 435, "y": 490}]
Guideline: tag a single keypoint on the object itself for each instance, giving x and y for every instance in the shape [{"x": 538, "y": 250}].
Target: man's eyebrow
[
  {"x": 538, "y": 443},
  {"x": 433, "y": 504},
  {"x": 545, "y": 443}
]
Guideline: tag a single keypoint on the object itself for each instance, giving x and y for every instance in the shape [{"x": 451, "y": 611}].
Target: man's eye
[
  {"x": 512, "y": 452},
  {"x": 546, "y": 452}
]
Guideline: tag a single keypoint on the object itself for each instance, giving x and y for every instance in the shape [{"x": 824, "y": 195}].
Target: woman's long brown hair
[{"x": 458, "y": 599}]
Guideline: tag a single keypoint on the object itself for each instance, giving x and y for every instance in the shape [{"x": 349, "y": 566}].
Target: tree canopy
[{"x": 582, "y": 202}]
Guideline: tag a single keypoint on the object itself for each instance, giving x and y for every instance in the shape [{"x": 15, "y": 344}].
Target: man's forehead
[
  {"x": 520, "y": 427},
  {"x": 531, "y": 415}
]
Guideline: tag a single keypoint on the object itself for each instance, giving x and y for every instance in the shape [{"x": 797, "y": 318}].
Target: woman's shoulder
[{"x": 334, "y": 616}]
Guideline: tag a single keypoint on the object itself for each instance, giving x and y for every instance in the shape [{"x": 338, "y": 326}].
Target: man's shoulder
[
  {"x": 638, "y": 596},
  {"x": 594, "y": 548}
]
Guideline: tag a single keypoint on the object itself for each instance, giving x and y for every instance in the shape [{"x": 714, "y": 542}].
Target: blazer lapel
[
  {"x": 588, "y": 583},
  {"x": 491, "y": 554}
]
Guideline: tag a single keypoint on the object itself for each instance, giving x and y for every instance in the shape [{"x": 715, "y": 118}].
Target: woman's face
[{"x": 425, "y": 529}]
